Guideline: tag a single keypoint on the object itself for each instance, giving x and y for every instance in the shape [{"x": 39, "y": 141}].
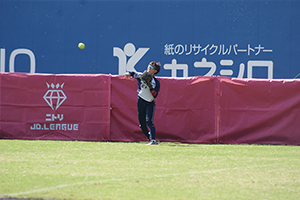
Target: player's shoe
[{"x": 152, "y": 142}]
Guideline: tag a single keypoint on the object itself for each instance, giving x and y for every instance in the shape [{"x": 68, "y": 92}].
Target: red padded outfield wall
[
  {"x": 103, "y": 108},
  {"x": 58, "y": 107}
]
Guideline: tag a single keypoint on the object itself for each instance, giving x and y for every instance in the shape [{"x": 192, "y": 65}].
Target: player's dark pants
[{"x": 146, "y": 114}]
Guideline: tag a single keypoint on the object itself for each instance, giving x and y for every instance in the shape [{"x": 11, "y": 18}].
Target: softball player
[{"x": 145, "y": 103}]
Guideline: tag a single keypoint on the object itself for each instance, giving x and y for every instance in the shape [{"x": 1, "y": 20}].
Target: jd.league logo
[{"x": 55, "y": 96}]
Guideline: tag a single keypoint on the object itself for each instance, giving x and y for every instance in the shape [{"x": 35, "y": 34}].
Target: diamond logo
[{"x": 55, "y": 96}]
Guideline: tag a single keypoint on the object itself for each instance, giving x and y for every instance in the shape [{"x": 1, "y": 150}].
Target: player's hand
[
  {"x": 127, "y": 75},
  {"x": 146, "y": 77}
]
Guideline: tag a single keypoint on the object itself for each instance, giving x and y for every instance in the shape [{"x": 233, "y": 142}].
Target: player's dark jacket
[{"x": 143, "y": 91}]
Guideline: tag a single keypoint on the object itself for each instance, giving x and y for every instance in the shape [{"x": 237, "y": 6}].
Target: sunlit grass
[{"x": 115, "y": 170}]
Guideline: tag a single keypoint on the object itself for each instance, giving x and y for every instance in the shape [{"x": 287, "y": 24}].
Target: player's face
[{"x": 151, "y": 69}]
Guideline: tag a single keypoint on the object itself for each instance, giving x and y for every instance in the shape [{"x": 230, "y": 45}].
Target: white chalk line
[{"x": 130, "y": 178}]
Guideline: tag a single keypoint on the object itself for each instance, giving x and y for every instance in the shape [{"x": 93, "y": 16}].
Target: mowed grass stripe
[
  {"x": 131, "y": 178},
  {"x": 115, "y": 170}
]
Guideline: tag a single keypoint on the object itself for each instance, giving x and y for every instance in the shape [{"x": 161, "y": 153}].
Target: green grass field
[{"x": 115, "y": 170}]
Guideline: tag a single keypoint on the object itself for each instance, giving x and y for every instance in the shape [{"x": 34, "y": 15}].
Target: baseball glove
[{"x": 146, "y": 77}]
